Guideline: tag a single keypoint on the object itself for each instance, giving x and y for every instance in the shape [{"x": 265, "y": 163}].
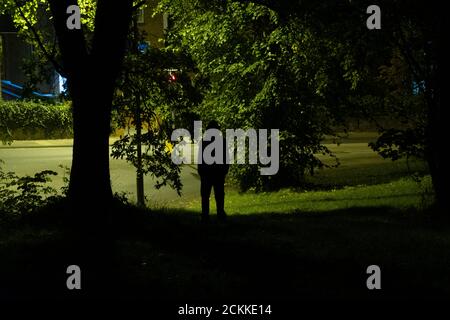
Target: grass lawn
[
  {"x": 360, "y": 165},
  {"x": 284, "y": 245},
  {"x": 402, "y": 194},
  {"x": 363, "y": 178},
  {"x": 291, "y": 244}
]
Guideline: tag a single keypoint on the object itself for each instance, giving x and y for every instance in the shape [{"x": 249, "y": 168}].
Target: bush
[
  {"x": 34, "y": 120},
  {"x": 24, "y": 195}
]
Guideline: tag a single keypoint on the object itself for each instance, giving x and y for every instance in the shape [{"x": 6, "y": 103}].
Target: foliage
[
  {"x": 149, "y": 99},
  {"x": 33, "y": 20},
  {"x": 38, "y": 70},
  {"x": 24, "y": 195},
  {"x": 34, "y": 12},
  {"x": 122, "y": 198},
  {"x": 398, "y": 143},
  {"x": 398, "y": 95},
  {"x": 155, "y": 159},
  {"x": 32, "y": 116},
  {"x": 66, "y": 180},
  {"x": 265, "y": 71},
  {"x": 401, "y": 80}
]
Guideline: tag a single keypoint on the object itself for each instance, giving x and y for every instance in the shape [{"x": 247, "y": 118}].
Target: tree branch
[
  {"x": 139, "y": 4},
  {"x": 41, "y": 45},
  {"x": 281, "y": 7},
  {"x": 72, "y": 43},
  {"x": 112, "y": 24}
]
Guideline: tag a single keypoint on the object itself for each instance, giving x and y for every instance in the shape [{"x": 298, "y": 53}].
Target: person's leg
[
  {"x": 205, "y": 192},
  {"x": 219, "y": 194}
]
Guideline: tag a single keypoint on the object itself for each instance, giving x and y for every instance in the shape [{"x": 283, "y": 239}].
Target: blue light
[
  {"x": 62, "y": 84},
  {"x": 143, "y": 46}
]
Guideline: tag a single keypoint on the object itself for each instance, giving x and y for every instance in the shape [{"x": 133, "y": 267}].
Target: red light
[{"x": 172, "y": 78}]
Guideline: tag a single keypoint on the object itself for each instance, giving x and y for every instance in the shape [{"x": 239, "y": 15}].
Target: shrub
[
  {"x": 21, "y": 119},
  {"x": 24, "y": 195}
]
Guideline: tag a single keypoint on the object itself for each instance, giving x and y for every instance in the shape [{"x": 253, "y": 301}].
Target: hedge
[{"x": 21, "y": 120}]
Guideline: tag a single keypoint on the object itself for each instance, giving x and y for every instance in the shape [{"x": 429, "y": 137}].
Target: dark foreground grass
[
  {"x": 286, "y": 245},
  {"x": 170, "y": 255}
]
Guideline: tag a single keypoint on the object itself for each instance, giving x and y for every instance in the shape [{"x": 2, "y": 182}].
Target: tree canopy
[
  {"x": 266, "y": 71},
  {"x": 308, "y": 68}
]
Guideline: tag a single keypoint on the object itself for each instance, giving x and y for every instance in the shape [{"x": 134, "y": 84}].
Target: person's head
[{"x": 213, "y": 124}]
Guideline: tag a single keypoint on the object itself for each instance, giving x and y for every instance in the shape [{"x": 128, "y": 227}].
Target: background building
[
  {"x": 152, "y": 26},
  {"x": 14, "y": 51}
]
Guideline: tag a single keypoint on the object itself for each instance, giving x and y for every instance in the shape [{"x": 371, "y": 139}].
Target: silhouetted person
[{"x": 213, "y": 176}]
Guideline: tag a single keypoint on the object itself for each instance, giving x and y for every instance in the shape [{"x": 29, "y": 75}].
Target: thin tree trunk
[
  {"x": 435, "y": 131},
  {"x": 139, "y": 171}
]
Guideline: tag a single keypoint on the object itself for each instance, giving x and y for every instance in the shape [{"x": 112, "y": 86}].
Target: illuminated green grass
[{"x": 401, "y": 194}]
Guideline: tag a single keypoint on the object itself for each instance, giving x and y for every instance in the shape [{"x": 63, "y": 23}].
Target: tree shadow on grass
[{"x": 170, "y": 255}]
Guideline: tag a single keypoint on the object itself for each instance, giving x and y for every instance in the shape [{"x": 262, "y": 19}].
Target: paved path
[{"x": 28, "y": 157}]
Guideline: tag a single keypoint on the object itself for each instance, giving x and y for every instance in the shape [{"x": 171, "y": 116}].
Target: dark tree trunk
[
  {"x": 90, "y": 184},
  {"x": 91, "y": 77},
  {"x": 429, "y": 20},
  {"x": 434, "y": 153},
  {"x": 436, "y": 129}
]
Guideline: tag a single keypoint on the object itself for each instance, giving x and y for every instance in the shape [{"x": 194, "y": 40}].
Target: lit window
[{"x": 140, "y": 16}]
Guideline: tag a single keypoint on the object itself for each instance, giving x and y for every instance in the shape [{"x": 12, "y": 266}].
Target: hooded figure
[{"x": 212, "y": 175}]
